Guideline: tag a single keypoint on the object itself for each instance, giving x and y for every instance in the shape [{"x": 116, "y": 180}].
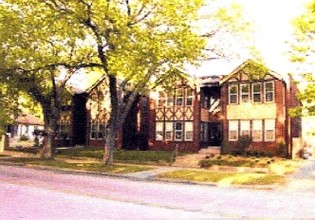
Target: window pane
[
  {"x": 245, "y": 128},
  {"x": 169, "y": 131},
  {"x": 256, "y": 92},
  {"x": 245, "y": 93},
  {"x": 269, "y": 91},
  {"x": 189, "y": 96},
  {"x": 178, "y": 131},
  {"x": 233, "y": 93},
  {"x": 257, "y": 130},
  {"x": 188, "y": 131},
  {"x": 270, "y": 130},
  {"x": 159, "y": 131},
  {"x": 233, "y": 130}
]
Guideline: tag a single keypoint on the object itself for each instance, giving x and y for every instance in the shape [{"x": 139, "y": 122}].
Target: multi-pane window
[
  {"x": 269, "y": 92},
  {"x": 245, "y": 128},
  {"x": 179, "y": 97},
  {"x": 162, "y": 99},
  {"x": 159, "y": 131},
  {"x": 233, "y": 94},
  {"x": 188, "y": 131},
  {"x": 63, "y": 131},
  {"x": 97, "y": 130},
  {"x": 252, "y": 92},
  {"x": 257, "y": 130},
  {"x": 256, "y": 92},
  {"x": 244, "y": 92},
  {"x": 270, "y": 130},
  {"x": 233, "y": 130},
  {"x": 189, "y": 97},
  {"x": 168, "y": 131},
  {"x": 178, "y": 131}
]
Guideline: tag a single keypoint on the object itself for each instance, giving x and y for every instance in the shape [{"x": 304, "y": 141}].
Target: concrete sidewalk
[{"x": 302, "y": 181}]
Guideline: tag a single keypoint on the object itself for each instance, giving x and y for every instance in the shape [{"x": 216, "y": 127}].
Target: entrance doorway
[{"x": 215, "y": 134}]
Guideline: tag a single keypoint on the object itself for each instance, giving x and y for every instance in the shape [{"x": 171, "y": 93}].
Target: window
[
  {"x": 97, "y": 130},
  {"x": 188, "y": 131},
  {"x": 179, "y": 97},
  {"x": 256, "y": 92},
  {"x": 245, "y": 128},
  {"x": 189, "y": 97},
  {"x": 168, "y": 131},
  {"x": 245, "y": 93},
  {"x": 233, "y": 130},
  {"x": 270, "y": 130},
  {"x": 170, "y": 100},
  {"x": 63, "y": 131},
  {"x": 93, "y": 131},
  {"x": 269, "y": 92},
  {"x": 178, "y": 131},
  {"x": 233, "y": 94},
  {"x": 161, "y": 99},
  {"x": 159, "y": 131},
  {"x": 257, "y": 130}
]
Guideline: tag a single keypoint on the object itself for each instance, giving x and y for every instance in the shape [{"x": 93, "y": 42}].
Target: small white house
[{"x": 25, "y": 125}]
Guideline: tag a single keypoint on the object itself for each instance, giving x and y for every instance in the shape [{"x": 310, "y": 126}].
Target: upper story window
[
  {"x": 233, "y": 94},
  {"x": 256, "y": 92},
  {"x": 244, "y": 93},
  {"x": 189, "y": 97},
  {"x": 162, "y": 99},
  {"x": 179, "y": 97},
  {"x": 269, "y": 91}
]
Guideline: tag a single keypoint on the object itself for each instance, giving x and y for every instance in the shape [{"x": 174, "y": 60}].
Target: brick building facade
[{"x": 197, "y": 113}]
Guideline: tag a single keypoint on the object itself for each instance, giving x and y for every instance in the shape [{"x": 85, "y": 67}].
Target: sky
[
  {"x": 272, "y": 24},
  {"x": 272, "y": 28}
]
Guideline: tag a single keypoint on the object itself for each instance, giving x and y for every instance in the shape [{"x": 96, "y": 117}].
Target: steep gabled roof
[{"x": 252, "y": 62}]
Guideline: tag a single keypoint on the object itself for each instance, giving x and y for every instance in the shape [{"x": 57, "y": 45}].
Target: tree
[
  {"x": 302, "y": 53},
  {"x": 133, "y": 42},
  {"x": 32, "y": 58}
]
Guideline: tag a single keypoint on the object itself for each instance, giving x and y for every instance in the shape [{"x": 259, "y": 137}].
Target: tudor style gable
[{"x": 254, "y": 104}]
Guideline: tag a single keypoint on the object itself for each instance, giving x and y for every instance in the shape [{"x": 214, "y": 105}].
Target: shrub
[
  {"x": 24, "y": 138},
  {"x": 243, "y": 143},
  {"x": 282, "y": 149}
]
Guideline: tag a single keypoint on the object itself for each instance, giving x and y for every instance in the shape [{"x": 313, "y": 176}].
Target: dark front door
[{"x": 215, "y": 134}]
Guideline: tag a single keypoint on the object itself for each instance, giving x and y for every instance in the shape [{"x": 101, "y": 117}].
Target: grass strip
[
  {"x": 84, "y": 166},
  {"x": 224, "y": 177}
]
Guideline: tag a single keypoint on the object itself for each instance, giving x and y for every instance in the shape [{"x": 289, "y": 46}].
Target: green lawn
[
  {"x": 224, "y": 178},
  {"x": 123, "y": 155},
  {"x": 82, "y": 165}
]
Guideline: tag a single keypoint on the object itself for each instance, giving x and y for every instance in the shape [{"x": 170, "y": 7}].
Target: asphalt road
[{"x": 43, "y": 194}]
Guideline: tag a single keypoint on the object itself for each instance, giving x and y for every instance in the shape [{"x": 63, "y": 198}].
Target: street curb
[{"x": 135, "y": 178}]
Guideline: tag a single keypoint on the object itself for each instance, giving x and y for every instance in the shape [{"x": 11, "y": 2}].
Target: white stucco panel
[{"x": 252, "y": 111}]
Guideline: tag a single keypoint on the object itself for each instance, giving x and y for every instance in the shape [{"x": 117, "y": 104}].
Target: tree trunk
[
  {"x": 50, "y": 124},
  {"x": 109, "y": 146}
]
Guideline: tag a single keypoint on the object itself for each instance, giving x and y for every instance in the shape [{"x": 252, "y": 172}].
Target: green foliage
[
  {"x": 122, "y": 155},
  {"x": 242, "y": 144},
  {"x": 24, "y": 138}
]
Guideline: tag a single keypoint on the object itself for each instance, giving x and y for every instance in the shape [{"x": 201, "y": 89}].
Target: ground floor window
[
  {"x": 174, "y": 131},
  {"x": 233, "y": 130},
  {"x": 97, "y": 131},
  {"x": 258, "y": 130},
  {"x": 63, "y": 131}
]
